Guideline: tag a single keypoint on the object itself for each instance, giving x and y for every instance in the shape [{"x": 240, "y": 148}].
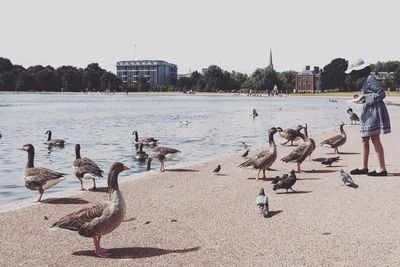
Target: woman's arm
[{"x": 375, "y": 91}]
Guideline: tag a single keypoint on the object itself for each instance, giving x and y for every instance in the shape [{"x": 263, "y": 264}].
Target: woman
[{"x": 374, "y": 117}]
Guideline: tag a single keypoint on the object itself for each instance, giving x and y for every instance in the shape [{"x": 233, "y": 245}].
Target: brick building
[{"x": 308, "y": 81}]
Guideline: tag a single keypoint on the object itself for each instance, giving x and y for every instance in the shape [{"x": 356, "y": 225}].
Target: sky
[{"x": 235, "y": 35}]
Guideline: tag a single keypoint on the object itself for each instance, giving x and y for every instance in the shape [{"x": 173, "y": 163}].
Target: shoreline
[{"x": 188, "y": 212}]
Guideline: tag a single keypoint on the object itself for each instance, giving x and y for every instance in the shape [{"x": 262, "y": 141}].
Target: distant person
[{"x": 374, "y": 118}]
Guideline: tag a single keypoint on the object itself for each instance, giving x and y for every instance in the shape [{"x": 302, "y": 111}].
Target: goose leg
[
  {"x": 298, "y": 167},
  {"x": 94, "y": 185},
  {"x": 162, "y": 166},
  {"x": 40, "y": 194},
  {"x": 101, "y": 252},
  {"x": 258, "y": 174},
  {"x": 80, "y": 180},
  {"x": 264, "y": 177}
]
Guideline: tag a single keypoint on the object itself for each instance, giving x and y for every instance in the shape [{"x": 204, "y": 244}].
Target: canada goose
[
  {"x": 290, "y": 134},
  {"x": 54, "y": 142},
  {"x": 37, "y": 178},
  {"x": 161, "y": 153},
  {"x": 85, "y": 168},
  {"x": 147, "y": 141},
  {"x": 304, "y": 150},
  {"x": 264, "y": 159},
  {"x": 102, "y": 218},
  {"x": 336, "y": 141},
  {"x": 353, "y": 116},
  {"x": 141, "y": 155}
]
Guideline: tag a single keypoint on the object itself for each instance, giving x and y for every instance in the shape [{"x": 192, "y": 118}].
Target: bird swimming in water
[
  {"x": 54, "y": 142},
  {"x": 245, "y": 153},
  {"x": 286, "y": 183},
  {"x": 346, "y": 178},
  {"x": 38, "y": 178},
  {"x": 262, "y": 203},
  {"x": 329, "y": 161},
  {"x": 141, "y": 155},
  {"x": 147, "y": 141},
  {"x": 99, "y": 219},
  {"x": 217, "y": 170}
]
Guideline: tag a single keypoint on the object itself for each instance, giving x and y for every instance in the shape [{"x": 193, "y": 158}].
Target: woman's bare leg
[
  {"x": 376, "y": 140},
  {"x": 365, "y": 152}
]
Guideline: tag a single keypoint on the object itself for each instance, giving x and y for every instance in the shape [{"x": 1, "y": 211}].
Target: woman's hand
[{"x": 358, "y": 98}]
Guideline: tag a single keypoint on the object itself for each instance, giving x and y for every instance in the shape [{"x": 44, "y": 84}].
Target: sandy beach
[{"x": 191, "y": 217}]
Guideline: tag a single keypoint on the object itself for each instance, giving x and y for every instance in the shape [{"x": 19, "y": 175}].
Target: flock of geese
[{"x": 103, "y": 218}]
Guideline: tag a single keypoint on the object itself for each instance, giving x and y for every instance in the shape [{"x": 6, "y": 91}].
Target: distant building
[
  {"x": 308, "y": 81},
  {"x": 156, "y": 72},
  {"x": 270, "y": 65}
]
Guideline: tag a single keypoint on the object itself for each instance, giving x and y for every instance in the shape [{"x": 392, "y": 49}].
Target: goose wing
[
  {"x": 85, "y": 165},
  {"x": 79, "y": 220},
  {"x": 335, "y": 141},
  {"x": 56, "y": 141},
  {"x": 41, "y": 174},
  {"x": 148, "y": 140},
  {"x": 165, "y": 150},
  {"x": 299, "y": 154},
  {"x": 260, "y": 160}
]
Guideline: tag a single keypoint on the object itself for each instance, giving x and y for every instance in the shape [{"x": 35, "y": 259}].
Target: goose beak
[
  {"x": 21, "y": 148},
  {"x": 125, "y": 168}
]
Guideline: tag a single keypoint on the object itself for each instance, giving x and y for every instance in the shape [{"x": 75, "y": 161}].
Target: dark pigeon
[
  {"x": 216, "y": 170},
  {"x": 245, "y": 154},
  {"x": 329, "y": 161},
  {"x": 286, "y": 183}
]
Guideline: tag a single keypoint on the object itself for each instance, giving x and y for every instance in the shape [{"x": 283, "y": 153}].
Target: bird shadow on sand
[
  {"x": 65, "y": 200},
  {"x": 307, "y": 179},
  {"x": 181, "y": 170},
  {"x": 319, "y": 171},
  {"x": 99, "y": 190},
  {"x": 270, "y": 179},
  {"x": 343, "y": 153},
  {"x": 294, "y": 192},
  {"x": 135, "y": 252},
  {"x": 272, "y": 213},
  {"x": 352, "y": 185},
  {"x": 221, "y": 174}
]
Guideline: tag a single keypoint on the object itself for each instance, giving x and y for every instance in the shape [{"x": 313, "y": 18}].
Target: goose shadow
[
  {"x": 294, "y": 192},
  {"x": 103, "y": 189},
  {"x": 308, "y": 179},
  {"x": 135, "y": 252},
  {"x": 319, "y": 171},
  {"x": 65, "y": 200},
  {"x": 337, "y": 166},
  {"x": 343, "y": 153},
  {"x": 181, "y": 170},
  {"x": 270, "y": 179},
  {"x": 393, "y": 174},
  {"x": 221, "y": 174},
  {"x": 352, "y": 185}
]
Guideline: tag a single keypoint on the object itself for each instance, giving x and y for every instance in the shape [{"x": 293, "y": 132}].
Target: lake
[{"x": 103, "y": 125}]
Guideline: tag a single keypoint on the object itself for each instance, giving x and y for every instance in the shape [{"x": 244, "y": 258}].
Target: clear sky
[{"x": 235, "y": 35}]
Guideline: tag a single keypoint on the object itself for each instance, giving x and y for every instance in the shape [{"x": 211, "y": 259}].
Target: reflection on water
[{"x": 199, "y": 126}]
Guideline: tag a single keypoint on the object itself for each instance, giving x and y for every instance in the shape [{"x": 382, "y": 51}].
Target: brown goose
[
  {"x": 336, "y": 141},
  {"x": 304, "y": 150},
  {"x": 37, "y": 178},
  {"x": 161, "y": 153},
  {"x": 353, "y": 116},
  {"x": 54, "y": 142},
  {"x": 147, "y": 141},
  {"x": 264, "y": 159},
  {"x": 85, "y": 168},
  {"x": 289, "y": 134},
  {"x": 102, "y": 218}
]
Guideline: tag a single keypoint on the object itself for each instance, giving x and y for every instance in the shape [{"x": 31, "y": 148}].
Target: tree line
[{"x": 212, "y": 79}]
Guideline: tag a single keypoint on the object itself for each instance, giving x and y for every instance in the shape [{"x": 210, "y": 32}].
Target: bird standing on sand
[
  {"x": 277, "y": 179},
  {"x": 262, "y": 203},
  {"x": 85, "y": 168},
  {"x": 53, "y": 142},
  {"x": 353, "y": 116},
  {"x": 217, "y": 170},
  {"x": 304, "y": 150},
  {"x": 147, "y": 141},
  {"x": 245, "y": 153},
  {"x": 263, "y": 160},
  {"x": 290, "y": 134},
  {"x": 329, "y": 161},
  {"x": 161, "y": 153},
  {"x": 37, "y": 178},
  {"x": 336, "y": 141},
  {"x": 286, "y": 183},
  {"x": 100, "y": 219},
  {"x": 346, "y": 178}
]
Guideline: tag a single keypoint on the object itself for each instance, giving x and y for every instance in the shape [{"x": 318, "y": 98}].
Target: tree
[
  {"x": 71, "y": 78},
  {"x": 110, "y": 81},
  {"x": 5, "y": 65},
  {"x": 287, "y": 80},
  {"x": 92, "y": 75},
  {"x": 26, "y": 82},
  {"x": 333, "y": 75}
]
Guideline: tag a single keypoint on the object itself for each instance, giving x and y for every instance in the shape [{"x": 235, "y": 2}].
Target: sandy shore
[{"x": 189, "y": 216}]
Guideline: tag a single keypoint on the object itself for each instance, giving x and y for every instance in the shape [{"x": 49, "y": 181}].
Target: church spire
[{"x": 271, "y": 65}]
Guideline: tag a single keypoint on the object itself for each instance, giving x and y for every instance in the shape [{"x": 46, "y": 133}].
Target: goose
[
  {"x": 264, "y": 159},
  {"x": 353, "y": 116},
  {"x": 147, "y": 141},
  {"x": 161, "y": 153},
  {"x": 99, "y": 219},
  {"x": 37, "y": 178},
  {"x": 85, "y": 168},
  {"x": 304, "y": 150},
  {"x": 289, "y": 134},
  {"x": 336, "y": 141},
  {"x": 141, "y": 155},
  {"x": 1, "y": 135},
  {"x": 53, "y": 142}
]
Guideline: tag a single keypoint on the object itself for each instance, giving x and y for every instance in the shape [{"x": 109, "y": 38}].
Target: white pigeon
[
  {"x": 262, "y": 203},
  {"x": 346, "y": 178}
]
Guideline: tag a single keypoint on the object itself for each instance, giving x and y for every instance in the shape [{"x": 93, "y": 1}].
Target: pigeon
[
  {"x": 262, "y": 203},
  {"x": 245, "y": 153},
  {"x": 255, "y": 114},
  {"x": 216, "y": 170},
  {"x": 287, "y": 182},
  {"x": 329, "y": 161},
  {"x": 346, "y": 178},
  {"x": 277, "y": 179},
  {"x": 244, "y": 145}
]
